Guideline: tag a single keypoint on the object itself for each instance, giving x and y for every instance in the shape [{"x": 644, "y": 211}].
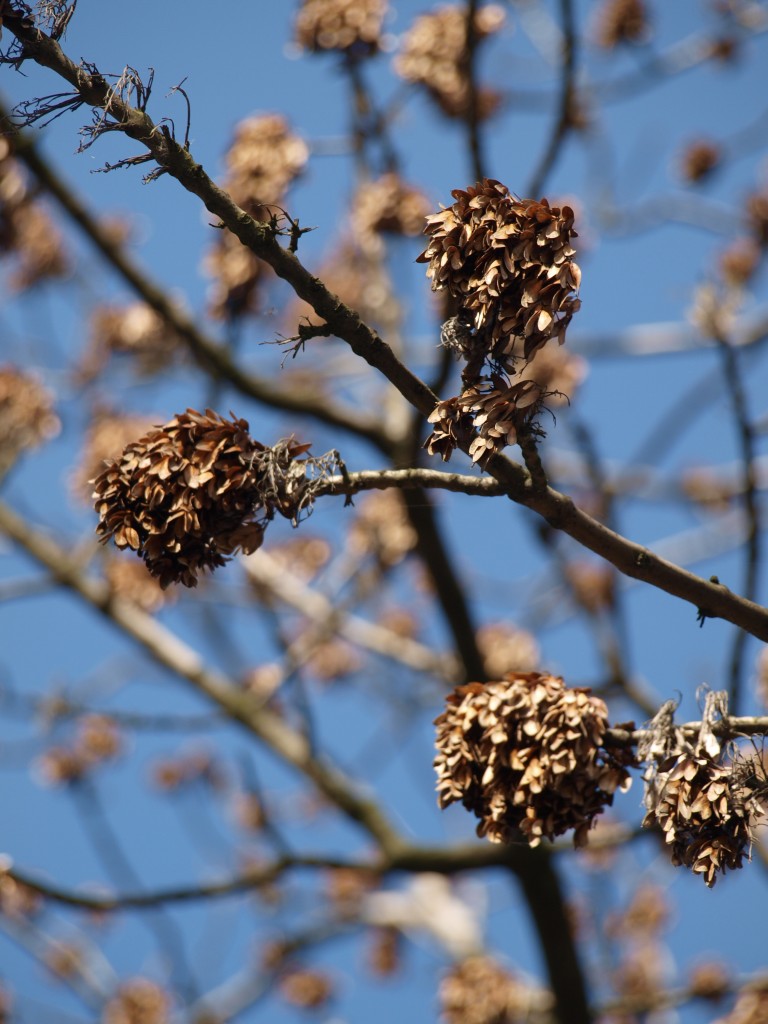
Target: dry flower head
[
  {"x": 509, "y": 263},
  {"x": 388, "y": 205},
  {"x": 526, "y": 755},
  {"x": 506, "y": 648},
  {"x": 699, "y": 160}
]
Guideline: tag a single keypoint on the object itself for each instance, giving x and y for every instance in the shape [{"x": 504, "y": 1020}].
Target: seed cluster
[
  {"x": 526, "y": 755},
  {"x": 27, "y": 418},
  {"x": 434, "y": 55},
  {"x": 508, "y": 266},
  {"x": 705, "y": 803},
  {"x": 265, "y": 157},
  {"x": 191, "y": 493},
  {"x": 340, "y": 25}
]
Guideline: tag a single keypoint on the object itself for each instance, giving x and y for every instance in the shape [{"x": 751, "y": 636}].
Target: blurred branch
[
  {"x": 473, "y": 120},
  {"x": 564, "y": 118},
  {"x": 267, "y": 572},
  {"x": 747, "y": 448},
  {"x": 168, "y": 650}
]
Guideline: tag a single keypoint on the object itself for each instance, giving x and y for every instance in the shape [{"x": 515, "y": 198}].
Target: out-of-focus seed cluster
[
  {"x": 26, "y": 232},
  {"x": 131, "y": 581},
  {"x": 97, "y": 740},
  {"x": 27, "y": 418},
  {"x": 136, "y": 331},
  {"x": 526, "y": 755},
  {"x": 108, "y": 432},
  {"x": 434, "y": 54},
  {"x": 507, "y": 262},
  {"x": 264, "y": 159},
  {"x": 507, "y": 648},
  {"x": 699, "y": 159},
  {"x": 706, "y": 808},
  {"x": 508, "y": 266},
  {"x": 348, "y": 25},
  {"x": 388, "y": 205},
  {"x": 477, "y": 990},
  {"x": 189, "y": 495},
  {"x": 306, "y": 988},
  {"x": 621, "y": 21},
  {"x": 381, "y": 529},
  {"x": 138, "y": 1001}
]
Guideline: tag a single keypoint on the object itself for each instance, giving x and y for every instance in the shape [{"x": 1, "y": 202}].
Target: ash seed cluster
[
  {"x": 190, "y": 494},
  {"x": 525, "y": 754},
  {"x": 508, "y": 266}
]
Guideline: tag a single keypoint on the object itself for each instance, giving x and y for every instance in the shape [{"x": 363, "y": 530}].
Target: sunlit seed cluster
[
  {"x": 189, "y": 495},
  {"x": 508, "y": 265},
  {"x": 525, "y": 755}
]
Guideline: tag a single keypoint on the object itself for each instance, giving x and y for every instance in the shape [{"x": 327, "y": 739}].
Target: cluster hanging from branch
[
  {"x": 526, "y": 755},
  {"x": 705, "y": 802},
  {"x": 530, "y": 756},
  {"x": 190, "y": 494},
  {"x": 507, "y": 265}
]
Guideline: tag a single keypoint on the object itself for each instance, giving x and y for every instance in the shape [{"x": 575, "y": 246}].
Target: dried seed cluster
[
  {"x": 26, "y": 232},
  {"x": 525, "y": 755},
  {"x": 191, "y": 493},
  {"x": 621, "y": 21},
  {"x": 477, "y": 990},
  {"x": 434, "y": 55},
  {"x": 131, "y": 581},
  {"x": 706, "y": 810},
  {"x": 389, "y": 205},
  {"x": 107, "y": 433},
  {"x": 134, "y": 330},
  {"x": 699, "y": 160},
  {"x": 96, "y": 740},
  {"x": 751, "y": 1007},
  {"x": 705, "y": 818},
  {"x": 508, "y": 265},
  {"x": 264, "y": 159},
  {"x": 138, "y": 1001},
  {"x": 340, "y": 25},
  {"x": 27, "y": 418}
]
